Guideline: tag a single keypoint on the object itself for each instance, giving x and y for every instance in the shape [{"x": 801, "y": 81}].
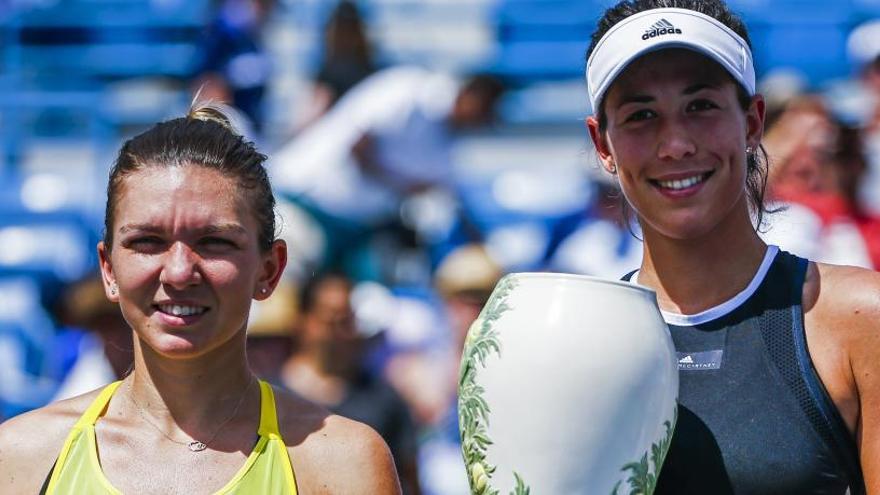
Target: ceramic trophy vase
[{"x": 568, "y": 385}]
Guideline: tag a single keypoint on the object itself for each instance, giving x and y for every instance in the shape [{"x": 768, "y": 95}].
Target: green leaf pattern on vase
[
  {"x": 483, "y": 342},
  {"x": 643, "y": 477},
  {"x": 473, "y": 410}
]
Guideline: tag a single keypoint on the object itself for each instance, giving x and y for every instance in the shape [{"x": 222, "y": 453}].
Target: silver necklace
[{"x": 193, "y": 445}]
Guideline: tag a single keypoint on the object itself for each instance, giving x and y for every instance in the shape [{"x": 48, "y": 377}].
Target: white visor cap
[{"x": 655, "y": 29}]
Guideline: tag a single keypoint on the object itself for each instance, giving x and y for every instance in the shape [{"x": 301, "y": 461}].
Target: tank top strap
[
  {"x": 96, "y": 408},
  {"x": 268, "y": 415}
]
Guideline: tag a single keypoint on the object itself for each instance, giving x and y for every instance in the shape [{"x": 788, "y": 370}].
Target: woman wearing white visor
[{"x": 779, "y": 357}]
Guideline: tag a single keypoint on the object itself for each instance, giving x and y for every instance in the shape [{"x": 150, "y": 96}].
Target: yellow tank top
[{"x": 266, "y": 471}]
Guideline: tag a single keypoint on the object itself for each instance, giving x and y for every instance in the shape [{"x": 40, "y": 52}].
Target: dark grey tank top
[{"x": 753, "y": 416}]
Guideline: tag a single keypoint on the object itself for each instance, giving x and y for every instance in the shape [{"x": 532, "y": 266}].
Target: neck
[
  {"x": 196, "y": 394},
  {"x": 692, "y": 275}
]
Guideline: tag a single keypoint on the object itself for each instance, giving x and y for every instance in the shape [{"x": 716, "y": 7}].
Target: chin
[
  {"x": 178, "y": 348},
  {"x": 181, "y": 345}
]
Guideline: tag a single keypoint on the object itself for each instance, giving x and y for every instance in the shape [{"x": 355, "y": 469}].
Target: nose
[
  {"x": 675, "y": 141},
  {"x": 180, "y": 267}
]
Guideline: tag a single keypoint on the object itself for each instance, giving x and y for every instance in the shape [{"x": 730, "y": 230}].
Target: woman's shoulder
[
  {"x": 847, "y": 292},
  {"x": 333, "y": 454},
  {"x": 845, "y": 300},
  {"x": 30, "y": 442},
  {"x": 842, "y": 312},
  {"x": 846, "y": 310}
]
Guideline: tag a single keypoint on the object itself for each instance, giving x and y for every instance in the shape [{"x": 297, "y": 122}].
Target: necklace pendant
[{"x": 197, "y": 446}]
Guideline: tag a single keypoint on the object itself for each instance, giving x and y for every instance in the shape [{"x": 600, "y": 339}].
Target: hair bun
[
  {"x": 214, "y": 111},
  {"x": 209, "y": 111}
]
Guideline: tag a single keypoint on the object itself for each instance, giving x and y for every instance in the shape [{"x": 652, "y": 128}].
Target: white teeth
[
  {"x": 682, "y": 183},
  {"x": 178, "y": 310}
]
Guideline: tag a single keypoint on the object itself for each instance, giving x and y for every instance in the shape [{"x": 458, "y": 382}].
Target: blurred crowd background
[{"x": 420, "y": 149}]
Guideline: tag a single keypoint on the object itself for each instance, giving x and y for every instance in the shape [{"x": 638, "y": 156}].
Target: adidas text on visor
[{"x": 654, "y": 29}]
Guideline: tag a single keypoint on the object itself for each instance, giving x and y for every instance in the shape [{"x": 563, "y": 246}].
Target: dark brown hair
[
  {"x": 205, "y": 138},
  {"x": 756, "y": 161}
]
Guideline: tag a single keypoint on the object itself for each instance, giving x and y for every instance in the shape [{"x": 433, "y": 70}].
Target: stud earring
[
  {"x": 264, "y": 291},
  {"x": 113, "y": 289},
  {"x": 749, "y": 150},
  {"x": 612, "y": 169}
]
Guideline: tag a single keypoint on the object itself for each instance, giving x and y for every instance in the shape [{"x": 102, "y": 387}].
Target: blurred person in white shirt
[
  {"x": 388, "y": 138},
  {"x": 863, "y": 47}
]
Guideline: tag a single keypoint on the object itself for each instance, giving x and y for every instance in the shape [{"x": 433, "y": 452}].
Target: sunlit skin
[
  {"x": 188, "y": 236},
  {"x": 185, "y": 250},
  {"x": 674, "y": 114}
]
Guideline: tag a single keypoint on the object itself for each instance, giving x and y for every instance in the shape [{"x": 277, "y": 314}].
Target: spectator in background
[
  {"x": 871, "y": 76},
  {"x": 235, "y": 68},
  {"x": 388, "y": 138},
  {"x": 465, "y": 278},
  {"x": 602, "y": 244},
  {"x": 96, "y": 347},
  {"x": 798, "y": 143},
  {"x": 327, "y": 367},
  {"x": 841, "y": 201},
  {"x": 780, "y": 88},
  {"x": 863, "y": 46},
  {"x": 28, "y": 373},
  {"x": 428, "y": 378},
  {"x": 818, "y": 163},
  {"x": 269, "y": 332},
  {"x": 346, "y": 59}
]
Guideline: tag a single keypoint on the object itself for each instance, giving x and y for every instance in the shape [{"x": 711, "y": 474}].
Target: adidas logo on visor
[{"x": 660, "y": 28}]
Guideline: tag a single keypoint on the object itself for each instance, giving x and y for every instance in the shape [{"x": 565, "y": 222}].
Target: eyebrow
[
  {"x": 223, "y": 228},
  {"x": 131, "y": 227}
]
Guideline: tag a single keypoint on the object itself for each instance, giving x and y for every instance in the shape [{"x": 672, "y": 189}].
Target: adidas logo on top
[{"x": 660, "y": 28}]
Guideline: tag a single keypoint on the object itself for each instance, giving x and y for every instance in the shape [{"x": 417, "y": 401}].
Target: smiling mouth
[
  {"x": 681, "y": 184},
  {"x": 181, "y": 310}
]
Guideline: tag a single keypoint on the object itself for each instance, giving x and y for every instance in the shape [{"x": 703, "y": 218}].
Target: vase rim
[{"x": 583, "y": 278}]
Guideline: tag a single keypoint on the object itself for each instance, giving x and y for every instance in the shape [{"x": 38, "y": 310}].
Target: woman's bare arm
[{"x": 847, "y": 310}]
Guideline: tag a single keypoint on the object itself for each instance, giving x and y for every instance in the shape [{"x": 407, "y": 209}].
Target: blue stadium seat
[
  {"x": 26, "y": 337},
  {"x": 548, "y": 12},
  {"x": 107, "y": 39},
  {"x": 52, "y": 247},
  {"x": 867, "y": 9},
  {"x": 544, "y": 18},
  {"x": 544, "y": 39},
  {"x": 60, "y": 62},
  {"x": 817, "y": 50},
  {"x": 547, "y": 39},
  {"x": 529, "y": 61}
]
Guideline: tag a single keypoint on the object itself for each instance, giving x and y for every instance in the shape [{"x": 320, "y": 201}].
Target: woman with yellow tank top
[{"x": 189, "y": 242}]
